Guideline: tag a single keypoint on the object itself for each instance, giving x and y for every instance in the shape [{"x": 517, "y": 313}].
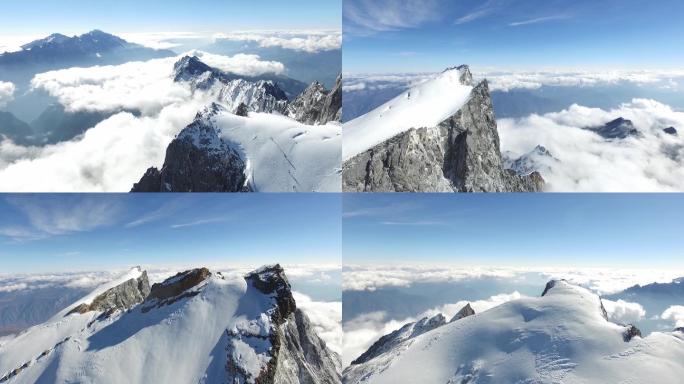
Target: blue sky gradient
[
  {"x": 31, "y": 17},
  {"x": 573, "y": 230},
  {"x": 430, "y": 35},
  {"x": 60, "y": 232}
]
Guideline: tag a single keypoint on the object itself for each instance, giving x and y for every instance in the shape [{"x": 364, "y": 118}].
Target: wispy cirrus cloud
[
  {"x": 201, "y": 222},
  {"x": 366, "y": 17},
  {"x": 59, "y": 215},
  {"x": 538, "y": 20}
]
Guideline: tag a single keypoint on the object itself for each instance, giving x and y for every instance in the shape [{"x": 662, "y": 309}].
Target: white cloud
[
  {"x": 13, "y": 43},
  {"x": 306, "y": 41},
  {"x": 623, "y": 312},
  {"x": 600, "y": 280},
  {"x": 116, "y": 152},
  {"x": 59, "y": 216},
  {"x": 363, "y": 17},
  {"x": 162, "y": 40},
  {"x": 326, "y": 318},
  {"x": 145, "y": 86},
  {"x": 588, "y": 162},
  {"x": 6, "y": 92},
  {"x": 538, "y": 20},
  {"x": 674, "y": 313},
  {"x": 504, "y": 80},
  {"x": 241, "y": 64},
  {"x": 508, "y": 80},
  {"x": 199, "y": 222}
]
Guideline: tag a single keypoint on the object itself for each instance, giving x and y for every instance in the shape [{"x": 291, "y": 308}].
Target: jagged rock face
[
  {"x": 271, "y": 280},
  {"x": 461, "y": 154},
  {"x": 198, "y": 160},
  {"x": 230, "y": 90},
  {"x": 121, "y": 297},
  {"x": 407, "y": 332},
  {"x": 316, "y": 105},
  {"x": 296, "y": 354},
  {"x": 466, "y": 311},
  {"x": 616, "y": 129}
]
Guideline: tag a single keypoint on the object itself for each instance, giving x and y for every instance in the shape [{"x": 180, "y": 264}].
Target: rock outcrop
[
  {"x": 538, "y": 160},
  {"x": 670, "y": 130},
  {"x": 229, "y": 89},
  {"x": 296, "y": 353},
  {"x": 461, "y": 154},
  {"x": 619, "y": 128},
  {"x": 466, "y": 311},
  {"x": 121, "y": 297},
  {"x": 317, "y": 105},
  {"x": 198, "y": 160},
  {"x": 407, "y": 332},
  {"x": 631, "y": 332}
]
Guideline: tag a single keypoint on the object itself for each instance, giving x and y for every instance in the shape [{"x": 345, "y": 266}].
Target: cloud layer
[
  {"x": 6, "y": 92},
  {"x": 500, "y": 80},
  {"x": 116, "y": 152},
  {"x": 675, "y": 314},
  {"x": 623, "y": 312},
  {"x": 652, "y": 161},
  {"x": 601, "y": 280},
  {"x": 305, "y": 41}
]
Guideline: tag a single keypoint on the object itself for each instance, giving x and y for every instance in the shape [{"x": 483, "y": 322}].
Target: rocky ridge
[
  {"x": 461, "y": 154},
  {"x": 198, "y": 160}
]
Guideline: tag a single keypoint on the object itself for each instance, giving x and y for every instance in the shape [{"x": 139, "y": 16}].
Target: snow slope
[
  {"x": 425, "y": 105},
  {"x": 284, "y": 155},
  {"x": 561, "y": 337}
]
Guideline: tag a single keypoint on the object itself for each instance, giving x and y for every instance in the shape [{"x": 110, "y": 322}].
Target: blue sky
[
  {"x": 61, "y": 232},
  {"x": 29, "y": 17},
  {"x": 575, "y": 230},
  {"x": 430, "y": 35}
]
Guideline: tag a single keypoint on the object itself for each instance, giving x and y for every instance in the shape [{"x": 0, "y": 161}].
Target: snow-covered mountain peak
[
  {"x": 194, "y": 327},
  {"x": 560, "y": 337},
  {"x": 56, "y": 38},
  {"x": 465, "y": 76},
  {"x": 424, "y": 105}
]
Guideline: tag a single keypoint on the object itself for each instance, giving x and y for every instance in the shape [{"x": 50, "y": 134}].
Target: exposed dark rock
[
  {"x": 466, "y": 311},
  {"x": 407, "y": 332},
  {"x": 121, "y": 297},
  {"x": 549, "y": 285},
  {"x": 316, "y": 105},
  {"x": 631, "y": 332},
  {"x": 619, "y": 128},
  {"x": 272, "y": 280},
  {"x": 679, "y": 329},
  {"x": 242, "y": 110},
  {"x": 461, "y": 154},
  {"x": 670, "y": 130},
  {"x": 198, "y": 160},
  {"x": 179, "y": 283}
]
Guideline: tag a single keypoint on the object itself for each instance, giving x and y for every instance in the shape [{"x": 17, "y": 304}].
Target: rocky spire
[{"x": 466, "y": 311}]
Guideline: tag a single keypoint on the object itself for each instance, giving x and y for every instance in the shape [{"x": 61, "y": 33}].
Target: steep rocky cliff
[{"x": 460, "y": 154}]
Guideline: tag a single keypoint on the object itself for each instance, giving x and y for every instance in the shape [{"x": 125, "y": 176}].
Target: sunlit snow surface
[
  {"x": 558, "y": 338},
  {"x": 284, "y": 155},
  {"x": 424, "y": 105},
  {"x": 182, "y": 342}
]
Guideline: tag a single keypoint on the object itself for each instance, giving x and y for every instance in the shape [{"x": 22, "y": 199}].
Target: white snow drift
[
  {"x": 284, "y": 155},
  {"x": 424, "y": 105}
]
